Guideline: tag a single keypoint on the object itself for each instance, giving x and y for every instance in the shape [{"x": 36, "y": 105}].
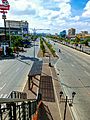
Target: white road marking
[
  {"x": 5, "y": 96},
  {"x": 2, "y": 87},
  {"x": 72, "y": 65},
  {"x": 1, "y": 95},
  {"x": 87, "y": 73},
  {"x": 0, "y": 72},
  {"x": 17, "y": 69}
]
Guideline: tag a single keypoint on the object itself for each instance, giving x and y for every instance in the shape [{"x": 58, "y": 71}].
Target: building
[
  {"x": 21, "y": 26},
  {"x": 84, "y": 32},
  {"x": 15, "y": 27},
  {"x": 71, "y": 31},
  {"x": 63, "y": 34},
  {"x": 13, "y": 31},
  {"x": 83, "y": 36}
]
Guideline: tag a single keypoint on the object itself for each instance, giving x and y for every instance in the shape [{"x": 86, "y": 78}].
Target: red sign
[
  {"x": 5, "y": 5},
  {"x": 2, "y": 7}
]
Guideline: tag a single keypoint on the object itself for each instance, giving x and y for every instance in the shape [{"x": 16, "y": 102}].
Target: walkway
[{"x": 48, "y": 85}]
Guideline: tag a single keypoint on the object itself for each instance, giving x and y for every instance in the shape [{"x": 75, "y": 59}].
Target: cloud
[
  {"x": 54, "y": 14},
  {"x": 65, "y": 8},
  {"x": 86, "y": 12},
  {"x": 65, "y": 1},
  {"x": 76, "y": 18},
  {"x": 27, "y": 11}
]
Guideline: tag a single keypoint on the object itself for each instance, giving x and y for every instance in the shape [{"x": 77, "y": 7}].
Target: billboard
[
  {"x": 25, "y": 30},
  {"x": 5, "y": 5}
]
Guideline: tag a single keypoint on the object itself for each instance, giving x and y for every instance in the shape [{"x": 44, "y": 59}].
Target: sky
[{"x": 56, "y": 15}]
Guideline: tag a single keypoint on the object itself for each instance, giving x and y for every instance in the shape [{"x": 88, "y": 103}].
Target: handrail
[
  {"x": 17, "y": 94},
  {"x": 16, "y": 109},
  {"x": 8, "y": 100}
]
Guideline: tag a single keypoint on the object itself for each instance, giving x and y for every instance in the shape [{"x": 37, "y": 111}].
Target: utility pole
[
  {"x": 34, "y": 32},
  {"x": 4, "y": 17},
  {"x": 65, "y": 108},
  {"x": 4, "y": 7},
  {"x": 9, "y": 34}
]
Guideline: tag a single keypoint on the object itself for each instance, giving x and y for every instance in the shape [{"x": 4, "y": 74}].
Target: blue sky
[{"x": 57, "y": 15}]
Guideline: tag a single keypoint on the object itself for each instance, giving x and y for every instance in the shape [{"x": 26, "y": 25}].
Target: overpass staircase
[{"x": 18, "y": 107}]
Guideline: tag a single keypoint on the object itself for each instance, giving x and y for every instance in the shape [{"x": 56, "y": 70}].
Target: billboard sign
[
  {"x": 5, "y": 5},
  {"x": 25, "y": 30}
]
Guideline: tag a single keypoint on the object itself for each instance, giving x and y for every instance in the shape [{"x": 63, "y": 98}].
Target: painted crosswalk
[{"x": 3, "y": 95}]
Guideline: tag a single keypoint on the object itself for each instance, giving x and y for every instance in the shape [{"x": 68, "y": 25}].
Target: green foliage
[
  {"x": 42, "y": 46},
  {"x": 16, "y": 41},
  {"x": 77, "y": 40},
  {"x": 85, "y": 41},
  {"x": 50, "y": 48},
  {"x": 72, "y": 42},
  {"x": 67, "y": 40}
]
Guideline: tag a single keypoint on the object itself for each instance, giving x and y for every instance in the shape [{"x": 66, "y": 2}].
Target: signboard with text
[{"x": 5, "y": 5}]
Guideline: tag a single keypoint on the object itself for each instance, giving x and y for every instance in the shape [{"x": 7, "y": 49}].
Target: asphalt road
[
  {"x": 14, "y": 72},
  {"x": 74, "y": 74}
]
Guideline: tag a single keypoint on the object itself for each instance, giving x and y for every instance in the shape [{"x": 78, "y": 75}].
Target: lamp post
[
  {"x": 34, "y": 33},
  {"x": 66, "y": 100},
  {"x": 9, "y": 34},
  {"x": 49, "y": 60},
  {"x": 4, "y": 17}
]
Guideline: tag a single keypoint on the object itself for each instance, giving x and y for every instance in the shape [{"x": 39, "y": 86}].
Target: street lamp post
[
  {"x": 4, "y": 17},
  {"x": 34, "y": 41},
  {"x": 9, "y": 34},
  {"x": 66, "y": 100},
  {"x": 49, "y": 60}
]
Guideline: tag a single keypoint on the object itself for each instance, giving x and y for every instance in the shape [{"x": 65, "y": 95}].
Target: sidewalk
[{"x": 48, "y": 85}]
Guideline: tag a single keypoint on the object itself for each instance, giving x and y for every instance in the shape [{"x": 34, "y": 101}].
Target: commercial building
[
  {"x": 82, "y": 36},
  {"x": 15, "y": 27},
  {"x": 71, "y": 31},
  {"x": 84, "y": 32},
  {"x": 63, "y": 34}
]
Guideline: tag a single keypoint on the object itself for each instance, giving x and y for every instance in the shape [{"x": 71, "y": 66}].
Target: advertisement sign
[
  {"x": 5, "y": 5},
  {"x": 25, "y": 30}
]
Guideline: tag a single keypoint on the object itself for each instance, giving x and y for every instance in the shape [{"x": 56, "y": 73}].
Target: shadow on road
[{"x": 22, "y": 57}]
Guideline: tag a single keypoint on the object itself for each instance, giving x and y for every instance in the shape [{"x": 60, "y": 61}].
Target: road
[
  {"x": 13, "y": 72},
  {"x": 74, "y": 74}
]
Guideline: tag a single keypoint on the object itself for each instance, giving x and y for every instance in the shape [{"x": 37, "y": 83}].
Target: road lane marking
[
  {"x": 72, "y": 65},
  {"x": 87, "y": 73},
  {"x": 2, "y": 87},
  {"x": 17, "y": 69},
  {"x": 0, "y": 72},
  {"x": 5, "y": 96},
  {"x": 1, "y": 95}
]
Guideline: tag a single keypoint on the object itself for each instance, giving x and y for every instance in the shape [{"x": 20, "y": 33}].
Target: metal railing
[
  {"x": 18, "y": 95},
  {"x": 18, "y": 109}
]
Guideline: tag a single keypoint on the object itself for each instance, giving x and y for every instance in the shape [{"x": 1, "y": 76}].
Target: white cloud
[
  {"x": 65, "y": 1},
  {"x": 65, "y": 9},
  {"x": 76, "y": 18},
  {"x": 86, "y": 12},
  {"x": 40, "y": 16}
]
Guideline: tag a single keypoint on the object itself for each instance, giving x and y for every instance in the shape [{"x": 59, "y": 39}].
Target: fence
[{"x": 18, "y": 109}]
